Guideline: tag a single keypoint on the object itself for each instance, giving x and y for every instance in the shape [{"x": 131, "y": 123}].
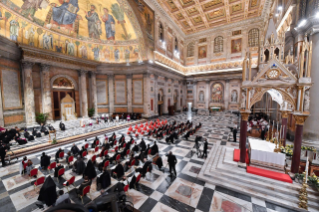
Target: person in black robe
[
  {"x": 44, "y": 129},
  {"x": 57, "y": 155},
  {"x": 142, "y": 145},
  {"x": 154, "y": 149},
  {"x": 36, "y": 133},
  {"x": 82, "y": 150},
  {"x": 143, "y": 170},
  {"x": 101, "y": 164},
  {"x": 169, "y": 139},
  {"x": 28, "y": 136},
  {"x": 135, "y": 148},
  {"x": 118, "y": 188},
  {"x": 205, "y": 149},
  {"x": 86, "y": 182},
  {"x": 75, "y": 150},
  {"x": 171, "y": 159},
  {"x": 19, "y": 140},
  {"x": 3, "y": 152},
  {"x": 119, "y": 170},
  {"x": 113, "y": 158},
  {"x": 57, "y": 168},
  {"x": 106, "y": 146},
  {"x": 47, "y": 192},
  {"x": 90, "y": 170},
  {"x": 158, "y": 161},
  {"x": 147, "y": 149},
  {"x": 141, "y": 156},
  {"x": 104, "y": 180},
  {"x": 62, "y": 126},
  {"x": 45, "y": 161},
  {"x": 122, "y": 139},
  {"x": 51, "y": 128},
  {"x": 94, "y": 144},
  {"x": 79, "y": 166},
  {"x": 132, "y": 182}
]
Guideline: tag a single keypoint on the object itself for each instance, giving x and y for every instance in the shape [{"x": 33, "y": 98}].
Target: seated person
[
  {"x": 44, "y": 129},
  {"x": 187, "y": 135},
  {"x": 119, "y": 187},
  {"x": 104, "y": 180},
  {"x": 57, "y": 155},
  {"x": 102, "y": 152},
  {"x": 147, "y": 149},
  {"x": 94, "y": 144},
  {"x": 21, "y": 166},
  {"x": 82, "y": 150},
  {"x": 169, "y": 139},
  {"x": 142, "y": 145},
  {"x": 19, "y": 140},
  {"x": 112, "y": 142},
  {"x": 158, "y": 161},
  {"x": 129, "y": 162},
  {"x": 67, "y": 157},
  {"x": 122, "y": 139},
  {"x": 62, "y": 126},
  {"x": 86, "y": 182},
  {"x": 75, "y": 150},
  {"x": 154, "y": 149},
  {"x": 118, "y": 171},
  {"x": 29, "y": 167},
  {"x": 113, "y": 158},
  {"x": 132, "y": 180},
  {"x": 44, "y": 161},
  {"x": 101, "y": 164},
  {"x": 28, "y": 136},
  {"x": 63, "y": 198},
  {"x": 135, "y": 148},
  {"x": 57, "y": 168},
  {"x": 51, "y": 128},
  {"x": 79, "y": 166},
  {"x": 90, "y": 171},
  {"x": 147, "y": 166},
  {"x": 36, "y": 133},
  {"x": 113, "y": 137},
  {"x": 141, "y": 156},
  {"x": 159, "y": 135},
  {"x": 106, "y": 145}
]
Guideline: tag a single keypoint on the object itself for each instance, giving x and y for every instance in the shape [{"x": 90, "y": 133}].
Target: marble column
[
  {"x": 207, "y": 95},
  {"x": 111, "y": 93},
  {"x": 165, "y": 98},
  {"x": 243, "y": 138},
  {"x": 226, "y": 97},
  {"x": 195, "y": 94},
  {"x": 155, "y": 104},
  {"x": 284, "y": 123},
  {"x": 300, "y": 120},
  {"x": 29, "y": 105},
  {"x": 93, "y": 93},
  {"x": 83, "y": 93},
  {"x": 129, "y": 93},
  {"x": 146, "y": 94},
  {"x": 46, "y": 90}
]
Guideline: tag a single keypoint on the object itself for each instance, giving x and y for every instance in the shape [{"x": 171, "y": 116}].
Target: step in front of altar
[{"x": 219, "y": 171}]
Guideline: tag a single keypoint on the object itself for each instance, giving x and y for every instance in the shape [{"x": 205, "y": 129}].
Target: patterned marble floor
[{"x": 157, "y": 191}]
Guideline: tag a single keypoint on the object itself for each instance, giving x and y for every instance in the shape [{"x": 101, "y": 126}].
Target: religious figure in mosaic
[
  {"x": 47, "y": 41},
  {"x": 96, "y": 51},
  {"x": 66, "y": 13},
  {"x": 83, "y": 52},
  {"x": 14, "y": 29},
  {"x": 117, "y": 55},
  {"x": 70, "y": 48},
  {"x": 94, "y": 23},
  {"x": 29, "y": 35},
  {"x": 109, "y": 24},
  {"x": 29, "y": 7}
]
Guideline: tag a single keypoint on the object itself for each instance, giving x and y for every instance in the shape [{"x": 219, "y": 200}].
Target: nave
[{"x": 157, "y": 191}]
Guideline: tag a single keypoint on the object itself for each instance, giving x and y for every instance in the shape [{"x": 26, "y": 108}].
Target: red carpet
[
  {"x": 269, "y": 174},
  {"x": 237, "y": 155}
]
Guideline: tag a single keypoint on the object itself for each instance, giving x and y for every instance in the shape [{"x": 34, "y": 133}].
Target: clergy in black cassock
[
  {"x": 90, "y": 170},
  {"x": 47, "y": 192}
]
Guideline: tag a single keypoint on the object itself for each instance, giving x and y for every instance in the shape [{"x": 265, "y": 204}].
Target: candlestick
[{"x": 277, "y": 126}]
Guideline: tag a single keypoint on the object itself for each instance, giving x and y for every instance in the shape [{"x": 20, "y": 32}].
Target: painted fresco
[
  {"x": 147, "y": 16},
  {"x": 107, "y": 32},
  {"x": 62, "y": 83},
  {"x": 217, "y": 92},
  {"x": 236, "y": 46},
  {"x": 202, "y": 52}
]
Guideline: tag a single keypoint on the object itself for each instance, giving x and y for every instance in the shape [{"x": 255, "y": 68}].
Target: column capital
[
  {"x": 146, "y": 74},
  {"x": 27, "y": 65},
  {"x": 244, "y": 115},
  {"x": 45, "y": 67},
  {"x": 129, "y": 76},
  {"x": 81, "y": 71},
  {"x": 300, "y": 118},
  {"x": 284, "y": 113}
]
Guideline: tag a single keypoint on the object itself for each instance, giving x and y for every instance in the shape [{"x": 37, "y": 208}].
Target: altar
[{"x": 262, "y": 154}]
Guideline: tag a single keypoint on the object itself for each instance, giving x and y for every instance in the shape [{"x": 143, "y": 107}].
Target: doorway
[
  {"x": 58, "y": 95},
  {"x": 160, "y": 109}
]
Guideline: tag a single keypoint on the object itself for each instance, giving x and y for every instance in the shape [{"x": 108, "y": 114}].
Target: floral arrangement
[
  {"x": 287, "y": 150},
  {"x": 54, "y": 141}
]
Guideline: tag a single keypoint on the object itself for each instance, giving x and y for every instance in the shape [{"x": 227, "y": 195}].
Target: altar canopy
[{"x": 262, "y": 154}]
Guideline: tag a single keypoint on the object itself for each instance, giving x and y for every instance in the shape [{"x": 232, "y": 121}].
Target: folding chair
[
  {"x": 33, "y": 172},
  {"x": 70, "y": 159},
  {"x": 38, "y": 182},
  {"x": 69, "y": 182},
  {"x": 60, "y": 173},
  {"x": 86, "y": 190}
]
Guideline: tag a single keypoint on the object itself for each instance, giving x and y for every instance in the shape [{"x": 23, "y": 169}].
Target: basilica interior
[{"x": 159, "y": 105}]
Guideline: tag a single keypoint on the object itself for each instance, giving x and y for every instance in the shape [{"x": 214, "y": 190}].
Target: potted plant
[
  {"x": 91, "y": 112},
  {"x": 41, "y": 118},
  {"x": 54, "y": 141}
]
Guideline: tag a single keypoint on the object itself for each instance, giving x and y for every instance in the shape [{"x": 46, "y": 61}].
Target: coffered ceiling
[{"x": 198, "y": 15}]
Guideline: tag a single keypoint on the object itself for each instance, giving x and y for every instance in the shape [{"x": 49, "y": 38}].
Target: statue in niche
[
  {"x": 234, "y": 96},
  {"x": 243, "y": 100},
  {"x": 201, "y": 96},
  {"x": 306, "y": 103}
]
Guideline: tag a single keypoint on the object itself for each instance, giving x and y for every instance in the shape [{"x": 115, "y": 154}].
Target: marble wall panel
[
  {"x": 101, "y": 87},
  {"x": 11, "y": 91}
]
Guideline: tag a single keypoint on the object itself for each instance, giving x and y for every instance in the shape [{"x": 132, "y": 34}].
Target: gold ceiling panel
[{"x": 198, "y": 15}]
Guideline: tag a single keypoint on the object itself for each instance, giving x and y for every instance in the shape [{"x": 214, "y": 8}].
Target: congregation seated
[
  {"x": 118, "y": 170},
  {"x": 63, "y": 198},
  {"x": 104, "y": 180},
  {"x": 57, "y": 168},
  {"x": 44, "y": 129},
  {"x": 89, "y": 170},
  {"x": 75, "y": 150},
  {"x": 44, "y": 161},
  {"x": 79, "y": 166},
  {"x": 57, "y": 155},
  {"x": 36, "y": 133},
  {"x": 20, "y": 141},
  {"x": 62, "y": 126},
  {"x": 28, "y": 136},
  {"x": 86, "y": 182}
]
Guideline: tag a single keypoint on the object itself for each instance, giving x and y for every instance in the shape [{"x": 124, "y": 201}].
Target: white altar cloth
[{"x": 262, "y": 153}]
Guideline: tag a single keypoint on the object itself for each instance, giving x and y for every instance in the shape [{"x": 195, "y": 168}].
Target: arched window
[
  {"x": 190, "y": 49},
  {"x": 161, "y": 32},
  {"x": 218, "y": 44},
  {"x": 176, "y": 44},
  {"x": 253, "y": 37}
]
